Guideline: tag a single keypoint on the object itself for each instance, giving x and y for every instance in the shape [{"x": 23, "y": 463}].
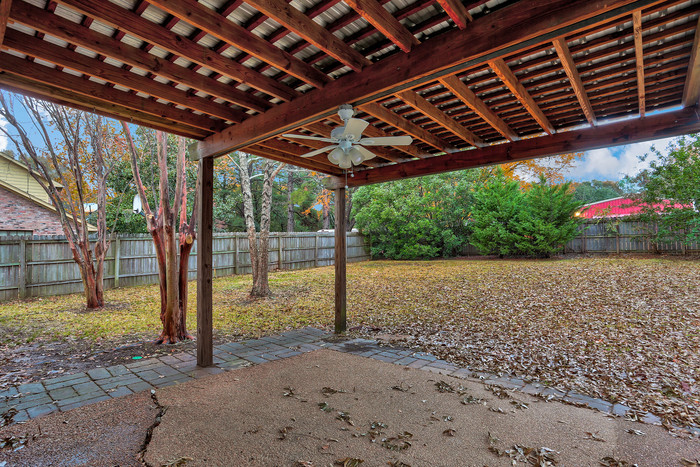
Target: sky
[{"x": 601, "y": 164}]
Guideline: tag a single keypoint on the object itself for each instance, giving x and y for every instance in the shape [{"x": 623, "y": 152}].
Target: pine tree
[
  {"x": 494, "y": 218},
  {"x": 546, "y": 221}
]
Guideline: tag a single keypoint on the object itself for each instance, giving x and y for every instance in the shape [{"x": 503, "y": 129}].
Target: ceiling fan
[{"x": 348, "y": 146}]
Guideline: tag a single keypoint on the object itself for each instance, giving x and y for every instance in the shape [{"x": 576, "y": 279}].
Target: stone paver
[{"x": 66, "y": 392}]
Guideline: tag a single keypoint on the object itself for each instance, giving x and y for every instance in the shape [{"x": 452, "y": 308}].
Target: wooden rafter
[
  {"x": 4, "y": 17},
  {"x": 419, "y": 103},
  {"x": 297, "y": 22},
  {"x": 662, "y": 125},
  {"x": 319, "y": 162},
  {"x": 384, "y": 22},
  {"x": 77, "y": 34},
  {"x": 106, "y": 107},
  {"x": 467, "y": 96},
  {"x": 456, "y": 11},
  {"x": 134, "y": 24},
  {"x": 397, "y": 121},
  {"x": 212, "y": 23},
  {"x": 691, "y": 89},
  {"x": 508, "y": 27},
  {"x": 95, "y": 91},
  {"x": 639, "y": 56},
  {"x": 511, "y": 81},
  {"x": 57, "y": 55},
  {"x": 567, "y": 61}
]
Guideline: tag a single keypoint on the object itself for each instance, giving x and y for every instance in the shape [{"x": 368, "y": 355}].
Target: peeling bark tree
[
  {"x": 67, "y": 159},
  {"x": 168, "y": 242},
  {"x": 259, "y": 244}
]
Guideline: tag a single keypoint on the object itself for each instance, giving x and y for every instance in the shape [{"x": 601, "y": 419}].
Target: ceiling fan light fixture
[
  {"x": 345, "y": 161},
  {"x": 356, "y": 156},
  {"x": 335, "y": 156}
]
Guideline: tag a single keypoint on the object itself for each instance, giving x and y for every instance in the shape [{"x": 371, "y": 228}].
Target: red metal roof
[{"x": 620, "y": 207}]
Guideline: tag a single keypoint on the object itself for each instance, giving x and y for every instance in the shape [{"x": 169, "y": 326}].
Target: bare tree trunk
[
  {"x": 349, "y": 220},
  {"x": 290, "y": 205}
]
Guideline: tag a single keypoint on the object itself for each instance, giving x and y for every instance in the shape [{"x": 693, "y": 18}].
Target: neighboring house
[
  {"x": 619, "y": 207},
  {"x": 25, "y": 208}
]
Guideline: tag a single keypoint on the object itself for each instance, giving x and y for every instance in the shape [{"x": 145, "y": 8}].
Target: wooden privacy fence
[
  {"x": 43, "y": 266},
  {"x": 614, "y": 236}
]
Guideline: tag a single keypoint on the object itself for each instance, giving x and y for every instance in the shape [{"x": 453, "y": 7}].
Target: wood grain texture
[
  {"x": 567, "y": 62},
  {"x": 509, "y": 27},
  {"x": 5, "y": 6},
  {"x": 691, "y": 90},
  {"x": 397, "y": 121},
  {"x": 384, "y": 22},
  {"x": 511, "y": 81},
  {"x": 77, "y": 34},
  {"x": 300, "y": 24},
  {"x": 456, "y": 11},
  {"x": 422, "y": 105},
  {"x": 467, "y": 96},
  {"x": 205, "y": 264},
  {"x": 663, "y": 125},
  {"x": 341, "y": 259},
  {"x": 213, "y": 23},
  {"x": 639, "y": 61},
  {"x": 128, "y": 21}
]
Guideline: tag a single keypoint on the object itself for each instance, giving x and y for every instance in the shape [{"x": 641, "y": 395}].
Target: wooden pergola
[{"x": 474, "y": 82}]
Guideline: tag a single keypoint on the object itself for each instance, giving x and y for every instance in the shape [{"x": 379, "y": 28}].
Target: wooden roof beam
[
  {"x": 662, "y": 125},
  {"x": 61, "y": 56},
  {"x": 419, "y": 103},
  {"x": 639, "y": 55},
  {"x": 386, "y": 115},
  {"x": 691, "y": 90},
  {"x": 74, "y": 33},
  {"x": 468, "y": 97},
  {"x": 68, "y": 82},
  {"x": 511, "y": 28},
  {"x": 281, "y": 156},
  {"x": 300, "y": 24},
  {"x": 567, "y": 61},
  {"x": 4, "y": 17},
  {"x": 132, "y": 23},
  {"x": 384, "y": 22},
  {"x": 211, "y": 22},
  {"x": 457, "y": 12},
  {"x": 101, "y": 105},
  {"x": 511, "y": 81}
]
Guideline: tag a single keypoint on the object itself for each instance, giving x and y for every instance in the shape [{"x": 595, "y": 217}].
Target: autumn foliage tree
[
  {"x": 169, "y": 238},
  {"x": 71, "y": 158}
]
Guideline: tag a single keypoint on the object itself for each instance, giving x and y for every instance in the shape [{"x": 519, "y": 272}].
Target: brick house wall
[{"x": 18, "y": 213}]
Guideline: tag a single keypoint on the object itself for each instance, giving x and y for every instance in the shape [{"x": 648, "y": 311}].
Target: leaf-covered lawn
[{"x": 625, "y": 330}]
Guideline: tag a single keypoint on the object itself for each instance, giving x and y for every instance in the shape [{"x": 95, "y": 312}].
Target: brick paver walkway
[{"x": 70, "y": 391}]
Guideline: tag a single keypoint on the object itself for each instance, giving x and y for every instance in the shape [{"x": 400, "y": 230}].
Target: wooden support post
[
  {"x": 117, "y": 260},
  {"x": 205, "y": 345},
  {"x": 617, "y": 239},
  {"x": 316, "y": 251},
  {"x": 340, "y": 262},
  {"x": 235, "y": 254},
  {"x": 22, "y": 287}
]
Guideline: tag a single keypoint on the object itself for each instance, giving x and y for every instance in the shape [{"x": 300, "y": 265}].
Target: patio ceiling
[{"x": 473, "y": 82}]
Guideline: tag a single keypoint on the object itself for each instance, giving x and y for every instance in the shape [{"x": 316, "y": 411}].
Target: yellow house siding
[{"x": 19, "y": 177}]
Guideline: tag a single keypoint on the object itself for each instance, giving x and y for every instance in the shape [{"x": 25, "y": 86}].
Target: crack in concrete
[{"x": 149, "y": 433}]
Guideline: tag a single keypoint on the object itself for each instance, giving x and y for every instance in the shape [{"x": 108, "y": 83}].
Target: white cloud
[{"x": 614, "y": 163}]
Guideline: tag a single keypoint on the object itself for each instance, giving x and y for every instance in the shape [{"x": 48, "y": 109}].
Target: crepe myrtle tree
[
  {"x": 170, "y": 236},
  {"x": 70, "y": 153}
]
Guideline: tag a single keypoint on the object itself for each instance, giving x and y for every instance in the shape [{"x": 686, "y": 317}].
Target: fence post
[
  {"x": 22, "y": 287},
  {"x": 235, "y": 253},
  {"x": 617, "y": 238},
  {"x": 117, "y": 260},
  {"x": 280, "y": 250},
  {"x": 316, "y": 250},
  {"x": 584, "y": 246}
]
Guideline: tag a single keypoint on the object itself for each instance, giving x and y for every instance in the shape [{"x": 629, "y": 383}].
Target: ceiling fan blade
[
  {"x": 366, "y": 153},
  {"x": 354, "y": 127},
  {"x": 315, "y": 138},
  {"x": 318, "y": 151},
  {"x": 387, "y": 141}
]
